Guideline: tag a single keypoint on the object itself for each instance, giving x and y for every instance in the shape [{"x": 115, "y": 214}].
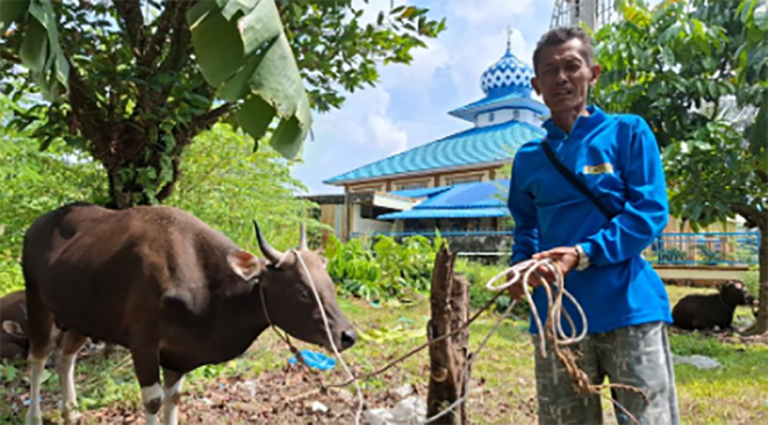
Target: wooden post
[{"x": 448, "y": 358}]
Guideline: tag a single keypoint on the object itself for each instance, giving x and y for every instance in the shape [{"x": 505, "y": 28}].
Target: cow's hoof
[{"x": 71, "y": 417}]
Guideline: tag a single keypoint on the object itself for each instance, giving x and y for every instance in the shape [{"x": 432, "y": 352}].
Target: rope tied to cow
[{"x": 553, "y": 332}]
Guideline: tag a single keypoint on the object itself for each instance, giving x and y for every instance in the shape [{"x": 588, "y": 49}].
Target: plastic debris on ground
[{"x": 315, "y": 360}]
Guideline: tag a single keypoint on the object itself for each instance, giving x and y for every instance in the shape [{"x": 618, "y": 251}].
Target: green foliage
[
  {"x": 405, "y": 266},
  {"x": 675, "y": 66},
  {"x": 672, "y": 255},
  {"x": 228, "y": 186},
  {"x": 243, "y": 52},
  {"x": 34, "y": 183},
  {"x": 352, "y": 266},
  {"x": 478, "y": 276},
  {"x": 384, "y": 269},
  {"x": 711, "y": 256},
  {"x": 143, "y": 78}
]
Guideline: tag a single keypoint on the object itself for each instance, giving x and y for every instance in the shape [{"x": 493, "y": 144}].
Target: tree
[
  {"x": 228, "y": 185},
  {"x": 697, "y": 71},
  {"x": 133, "y": 82}
]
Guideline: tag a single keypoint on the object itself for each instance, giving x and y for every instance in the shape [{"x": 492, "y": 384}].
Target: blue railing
[
  {"x": 689, "y": 249},
  {"x": 446, "y": 233},
  {"x": 711, "y": 248}
]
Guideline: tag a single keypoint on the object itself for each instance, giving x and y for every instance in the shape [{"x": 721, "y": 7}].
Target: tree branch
[
  {"x": 87, "y": 117},
  {"x": 133, "y": 21},
  {"x": 750, "y": 214},
  {"x": 163, "y": 28},
  {"x": 762, "y": 175},
  {"x": 167, "y": 190},
  {"x": 180, "y": 40},
  {"x": 10, "y": 57},
  {"x": 204, "y": 121}
]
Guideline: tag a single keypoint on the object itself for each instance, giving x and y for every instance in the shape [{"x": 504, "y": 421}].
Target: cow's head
[
  {"x": 735, "y": 293},
  {"x": 291, "y": 303}
]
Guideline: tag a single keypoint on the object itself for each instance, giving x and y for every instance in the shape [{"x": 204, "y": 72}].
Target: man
[{"x": 625, "y": 302}]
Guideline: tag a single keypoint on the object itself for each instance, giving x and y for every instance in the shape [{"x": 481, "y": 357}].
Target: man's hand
[{"x": 566, "y": 257}]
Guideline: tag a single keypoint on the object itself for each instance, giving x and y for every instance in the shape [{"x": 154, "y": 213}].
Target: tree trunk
[
  {"x": 448, "y": 357},
  {"x": 761, "y": 326},
  {"x": 145, "y": 174}
]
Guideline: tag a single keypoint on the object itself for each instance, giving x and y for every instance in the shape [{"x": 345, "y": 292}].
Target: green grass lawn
[{"x": 503, "y": 386}]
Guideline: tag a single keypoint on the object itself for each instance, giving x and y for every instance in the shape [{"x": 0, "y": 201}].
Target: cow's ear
[
  {"x": 245, "y": 264},
  {"x": 13, "y": 328}
]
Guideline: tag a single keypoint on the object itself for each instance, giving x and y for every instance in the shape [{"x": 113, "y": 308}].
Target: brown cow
[{"x": 165, "y": 285}]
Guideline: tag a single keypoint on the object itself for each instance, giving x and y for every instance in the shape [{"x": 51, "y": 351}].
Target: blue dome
[{"x": 508, "y": 75}]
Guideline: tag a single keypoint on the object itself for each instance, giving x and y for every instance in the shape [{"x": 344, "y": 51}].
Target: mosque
[{"x": 453, "y": 184}]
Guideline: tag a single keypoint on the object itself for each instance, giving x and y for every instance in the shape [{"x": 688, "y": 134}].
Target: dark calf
[
  {"x": 14, "y": 343},
  {"x": 707, "y": 311}
]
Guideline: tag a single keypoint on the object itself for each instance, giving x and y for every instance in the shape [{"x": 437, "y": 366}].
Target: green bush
[
  {"x": 478, "y": 276},
  {"x": 752, "y": 280},
  {"x": 383, "y": 269},
  {"x": 353, "y": 269}
]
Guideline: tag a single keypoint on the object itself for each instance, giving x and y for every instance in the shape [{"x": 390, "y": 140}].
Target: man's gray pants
[{"x": 636, "y": 355}]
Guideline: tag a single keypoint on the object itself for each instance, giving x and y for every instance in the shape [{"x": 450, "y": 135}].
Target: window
[
  {"x": 516, "y": 114},
  {"x": 468, "y": 179},
  {"x": 491, "y": 117},
  {"x": 409, "y": 186}
]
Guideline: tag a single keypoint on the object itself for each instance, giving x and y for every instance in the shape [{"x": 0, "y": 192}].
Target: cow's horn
[
  {"x": 303, "y": 238},
  {"x": 272, "y": 254}
]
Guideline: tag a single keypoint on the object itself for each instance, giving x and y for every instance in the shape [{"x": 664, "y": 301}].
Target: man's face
[{"x": 563, "y": 77}]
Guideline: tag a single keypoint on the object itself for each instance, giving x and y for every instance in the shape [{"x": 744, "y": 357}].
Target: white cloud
[
  {"x": 420, "y": 72},
  {"x": 487, "y": 13},
  {"x": 387, "y": 134},
  {"x": 469, "y": 60},
  {"x": 362, "y": 121}
]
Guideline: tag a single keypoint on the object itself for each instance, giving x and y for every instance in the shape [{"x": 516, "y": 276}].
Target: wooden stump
[{"x": 448, "y": 358}]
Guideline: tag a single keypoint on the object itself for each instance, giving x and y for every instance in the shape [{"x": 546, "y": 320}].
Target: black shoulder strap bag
[{"x": 575, "y": 180}]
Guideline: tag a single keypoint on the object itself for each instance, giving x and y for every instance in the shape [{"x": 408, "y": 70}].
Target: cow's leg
[
  {"x": 71, "y": 342},
  {"x": 147, "y": 367},
  {"x": 172, "y": 381},
  {"x": 39, "y": 323}
]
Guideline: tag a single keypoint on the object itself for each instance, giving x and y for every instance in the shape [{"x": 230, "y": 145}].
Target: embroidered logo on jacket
[{"x": 604, "y": 168}]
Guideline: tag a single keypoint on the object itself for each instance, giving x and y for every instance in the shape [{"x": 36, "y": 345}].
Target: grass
[{"x": 503, "y": 386}]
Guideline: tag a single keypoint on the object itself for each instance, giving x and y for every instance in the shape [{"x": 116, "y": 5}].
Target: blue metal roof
[
  {"x": 446, "y": 213},
  {"x": 466, "y": 200},
  {"x": 473, "y": 146},
  {"x": 512, "y": 101},
  {"x": 470, "y": 195}
]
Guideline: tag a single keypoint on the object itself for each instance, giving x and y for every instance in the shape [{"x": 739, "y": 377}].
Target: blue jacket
[{"x": 617, "y": 157}]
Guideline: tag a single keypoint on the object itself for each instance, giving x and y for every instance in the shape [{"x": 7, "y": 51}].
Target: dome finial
[{"x": 509, "y": 31}]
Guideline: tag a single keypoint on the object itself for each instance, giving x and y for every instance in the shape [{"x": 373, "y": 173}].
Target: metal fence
[
  {"x": 711, "y": 249},
  {"x": 685, "y": 249}
]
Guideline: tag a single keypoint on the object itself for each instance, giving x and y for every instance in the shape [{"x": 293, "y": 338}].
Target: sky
[{"x": 409, "y": 106}]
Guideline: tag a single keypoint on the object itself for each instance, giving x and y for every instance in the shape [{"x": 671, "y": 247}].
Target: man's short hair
[{"x": 561, "y": 35}]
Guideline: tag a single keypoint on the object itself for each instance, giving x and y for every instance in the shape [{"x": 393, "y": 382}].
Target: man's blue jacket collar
[{"x": 582, "y": 124}]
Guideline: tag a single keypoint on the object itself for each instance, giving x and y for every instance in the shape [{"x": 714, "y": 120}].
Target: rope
[{"x": 553, "y": 329}]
